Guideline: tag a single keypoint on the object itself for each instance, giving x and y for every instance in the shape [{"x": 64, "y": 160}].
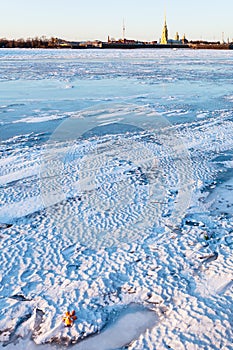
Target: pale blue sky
[{"x": 96, "y": 19}]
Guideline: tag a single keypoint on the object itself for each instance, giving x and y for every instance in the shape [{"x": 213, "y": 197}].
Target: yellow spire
[
  {"x": 165, "y": 14},
  {"x": 164, "y": 38}
]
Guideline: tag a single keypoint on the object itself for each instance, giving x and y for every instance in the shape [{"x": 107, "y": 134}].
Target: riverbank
[{"x": 112, "y": 45}]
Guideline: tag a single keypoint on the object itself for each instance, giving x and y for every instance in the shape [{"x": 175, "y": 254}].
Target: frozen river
[{"x": 116, "y": 198}]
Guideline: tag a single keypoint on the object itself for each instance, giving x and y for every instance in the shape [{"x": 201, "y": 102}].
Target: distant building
[
  {"x": 177, "y": 37},
  {"x": 176, "y": 41},
  {"x": 164, "y": 39},
  {"x": 184, "y": 40}
]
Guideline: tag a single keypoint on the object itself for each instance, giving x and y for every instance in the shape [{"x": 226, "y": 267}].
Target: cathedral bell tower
[{"x": 164, "y": 38}]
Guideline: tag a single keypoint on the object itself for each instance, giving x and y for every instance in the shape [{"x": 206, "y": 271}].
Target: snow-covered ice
[{"x": 116, "y": 199}]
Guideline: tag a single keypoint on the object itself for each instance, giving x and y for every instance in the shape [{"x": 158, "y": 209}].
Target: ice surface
[
  {"x": 116, "y": 190},
  {"x": 127, "y": 327}
]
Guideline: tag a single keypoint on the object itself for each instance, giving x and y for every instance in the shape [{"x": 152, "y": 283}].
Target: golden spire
[{"x": 164, "y": 38}]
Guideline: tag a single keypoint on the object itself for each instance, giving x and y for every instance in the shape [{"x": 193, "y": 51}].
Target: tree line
[{"x": 33, "y": 43}]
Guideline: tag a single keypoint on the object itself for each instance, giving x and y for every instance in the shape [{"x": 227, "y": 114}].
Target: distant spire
[
  {"x": 123, "y": 29},
  {"x": 165, "y": 13},
  {"x": 177, "y": 37},
  {"x": 223, "y": 40},
  {"x": 164, "y": 38}
]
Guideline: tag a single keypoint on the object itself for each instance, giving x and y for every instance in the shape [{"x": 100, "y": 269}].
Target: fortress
[{"x": 165, "y": 41}]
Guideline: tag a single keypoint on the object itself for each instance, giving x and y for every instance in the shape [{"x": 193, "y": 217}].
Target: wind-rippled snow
[{"x": 116, "y": 195}]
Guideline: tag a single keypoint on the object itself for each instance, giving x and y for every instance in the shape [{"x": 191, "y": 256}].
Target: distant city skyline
[{"x": 90, "y": 20}]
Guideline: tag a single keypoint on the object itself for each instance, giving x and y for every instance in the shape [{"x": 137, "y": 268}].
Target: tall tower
[
  {"x": 164, "y": 38},
  {"x": 123, "y": 30},
  {"x": 177, "y": 37}
]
